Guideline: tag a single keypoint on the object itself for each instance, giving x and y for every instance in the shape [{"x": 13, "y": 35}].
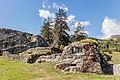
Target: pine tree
[
  {"x": 80, "y": 33},
  {"x": 61, "y": 37},
  {"x": 47, "y": 32}
]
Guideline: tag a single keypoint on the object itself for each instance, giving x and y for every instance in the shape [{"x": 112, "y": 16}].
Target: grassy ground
[
  {"x": 15, "y": 70},
  {"x": 115, "y": 57}
]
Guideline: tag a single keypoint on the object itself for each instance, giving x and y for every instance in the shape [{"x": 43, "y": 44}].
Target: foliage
[
  {"x": 15, "y": 70},
  {"x": 110, "y": 45},
  {"x": 56, "y": 34},
  {"x": 47, "y": 32},
  {"x": 107, "y": 56},
  {"x": 61, "y": 37},
  {"x": 80, "y": 33}
]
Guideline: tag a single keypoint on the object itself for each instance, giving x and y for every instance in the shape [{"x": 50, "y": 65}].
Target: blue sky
[{"x": 24, "y": 15}]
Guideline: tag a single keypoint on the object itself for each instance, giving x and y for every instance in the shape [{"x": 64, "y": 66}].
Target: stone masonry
[
  {"x": 82, "y": 57},
  {"x": 17, "y": 41}
]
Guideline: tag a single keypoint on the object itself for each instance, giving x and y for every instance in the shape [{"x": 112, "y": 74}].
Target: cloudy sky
[{"x": 101, "y": 18}]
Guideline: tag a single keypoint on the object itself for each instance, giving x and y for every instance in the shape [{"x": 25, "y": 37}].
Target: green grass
[
  {"x": 115, "y": 58},
  {"x": 16, "y": 70}
]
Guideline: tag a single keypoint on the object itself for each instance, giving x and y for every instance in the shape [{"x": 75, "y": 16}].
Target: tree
[
  {"x": 47, "y": 32},
  {"x": 79, "y": 32},
  {"x": 61, "y": 37}
]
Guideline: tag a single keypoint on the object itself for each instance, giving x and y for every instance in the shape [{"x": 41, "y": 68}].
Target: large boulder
[{"x": 82, "y": 57}]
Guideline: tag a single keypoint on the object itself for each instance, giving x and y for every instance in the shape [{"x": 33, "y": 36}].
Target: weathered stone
[
  {"x": 116, "y": 69},
  {"x": 16, "y": 41},
  {"x": 48, "y": 58},
  {"x": 80, "y": 57},
  {"x": 32, "y": 54}
]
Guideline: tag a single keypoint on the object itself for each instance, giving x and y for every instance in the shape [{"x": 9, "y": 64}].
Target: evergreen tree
[
  {"x": 80, "y": 33},
  {"x": 61, "y": 37},
  {"x": 47, "y": 32}
]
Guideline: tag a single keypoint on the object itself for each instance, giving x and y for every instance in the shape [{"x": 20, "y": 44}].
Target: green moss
[
  {"x": 62, "y": 47},
  {"x": 85, "y": 41},
  {"x": 89, "y": 41},
  {"x": 23, "y": 53}
]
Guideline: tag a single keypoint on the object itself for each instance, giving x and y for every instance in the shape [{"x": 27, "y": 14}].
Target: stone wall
[
  {"x": 79, "y": 58},
  {"x": 83, "y": 57},
  {"x": 16, "y": 41},
  {"x": 34, "y": 55},
  {"x": 116, "y": 69}
]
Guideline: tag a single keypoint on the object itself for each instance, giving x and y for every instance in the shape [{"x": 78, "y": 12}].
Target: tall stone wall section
[
  {"x": 83, "y": 57},
  {"x": 17, "y": 41}
]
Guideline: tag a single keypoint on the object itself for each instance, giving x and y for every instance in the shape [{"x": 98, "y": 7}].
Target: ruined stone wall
[
  {"x": 16, "y": 41},
  {"x": 81, "y": 57},
  {"x": 34, "y": 55}
]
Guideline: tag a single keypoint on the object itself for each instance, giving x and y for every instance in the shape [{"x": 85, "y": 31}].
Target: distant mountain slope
[{"x": 114, "y": 36}]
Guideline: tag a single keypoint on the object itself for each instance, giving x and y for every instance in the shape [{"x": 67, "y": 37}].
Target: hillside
[{"x": 115, "y": 36}]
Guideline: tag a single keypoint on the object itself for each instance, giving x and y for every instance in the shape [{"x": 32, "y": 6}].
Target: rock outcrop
[
  {"x": 16, "y": 41},
  {"x": 82, "y": 57}
]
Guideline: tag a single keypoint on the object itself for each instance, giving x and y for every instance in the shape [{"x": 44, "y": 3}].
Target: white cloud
[
  {"x": 45, "y": 14},
  {"x": 87, "y": 32},
  {"x": 71, "y": 18},
  {"x": 63, "y": 6},
  {"x": 110, "y": 27},
  {"x": 43, "y": 5},
  {"x": 83, "y": 23},
  {"x": 49, "y": 6},
  {"x": 76, "y": 24},
  {"x": 46, "y": 5},
  {"x": 72, "y": 29}
]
